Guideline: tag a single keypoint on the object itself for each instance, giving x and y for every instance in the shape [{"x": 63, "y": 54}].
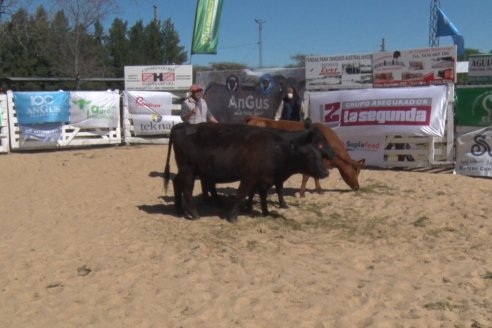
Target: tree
[
  {"x": 154, "y": 43},
  {"x": 118, "y": 46},
  {"x": 227, "y": 66},
  {"x": 299, "y": 59},
  {"x": 173, "y": 53},
  {"x": 137, "y": 44},
  {"x": 82, "y": 17},
  {"x": 7, "y": 7},
  {"x": 467, "y": 53}
]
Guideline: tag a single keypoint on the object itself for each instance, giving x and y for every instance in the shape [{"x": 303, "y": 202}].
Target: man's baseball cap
[{"x": 196, "y": 88}]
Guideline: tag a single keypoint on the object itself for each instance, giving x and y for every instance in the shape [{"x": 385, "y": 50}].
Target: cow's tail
[{"x": 167, "y": 169}]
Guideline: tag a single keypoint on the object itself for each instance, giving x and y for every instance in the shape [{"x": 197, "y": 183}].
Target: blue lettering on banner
[
  {"x": 47, "y": 133},
  {"x": 42, "y": 107}
]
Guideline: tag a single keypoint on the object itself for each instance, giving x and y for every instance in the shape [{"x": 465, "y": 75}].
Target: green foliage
[{"x": 78, "y": 47}]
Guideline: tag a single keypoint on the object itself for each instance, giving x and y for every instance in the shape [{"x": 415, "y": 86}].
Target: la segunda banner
[{"x": 370, "y": 112}]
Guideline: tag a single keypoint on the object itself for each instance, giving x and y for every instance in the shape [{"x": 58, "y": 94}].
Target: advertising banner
[
  {"x": 151, "y": 112},
  {"x": 163, "y": 78},
  {"x": 146, "y": 125},
  {"x": 474, "y": 153},
  {"x": 338, "y": 72},
  {"x": 46, "y": 133},
  {"x": 371, "y": 148},
  {"x": 480, "y": 69},
  {"x": 473, "y": 106},
  {"x": 414, "y": 67},
  {"x": 42, "y": 107},
  {"x": 206, "y": 29},
  {"x": 149, "y": 102},
  {"x": 372, "y": 112},
  {"x": 233, "y": 95},
  {"x": 94, "y": 109}
]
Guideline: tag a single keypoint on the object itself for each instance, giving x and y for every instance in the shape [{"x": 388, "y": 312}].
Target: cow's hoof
[
  {"x": 283, "y": 206},
  {"x": 232, "y": 219},
  {"x": 192, "y": 216}
]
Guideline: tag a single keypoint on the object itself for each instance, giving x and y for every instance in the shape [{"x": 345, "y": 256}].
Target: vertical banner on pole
[{"x": 206, "y": 29}]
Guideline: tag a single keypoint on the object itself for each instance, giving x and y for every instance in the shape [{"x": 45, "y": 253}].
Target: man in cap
[{"x": 194, "y": 108}]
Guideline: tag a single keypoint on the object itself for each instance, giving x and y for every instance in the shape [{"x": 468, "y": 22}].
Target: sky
[{"x": 315, "y": 27}]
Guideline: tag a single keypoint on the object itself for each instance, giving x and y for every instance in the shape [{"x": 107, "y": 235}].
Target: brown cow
[{"x": 349, "y": 169}]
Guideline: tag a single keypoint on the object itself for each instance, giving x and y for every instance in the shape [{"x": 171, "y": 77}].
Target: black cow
[{"x": 257, "y": 157}]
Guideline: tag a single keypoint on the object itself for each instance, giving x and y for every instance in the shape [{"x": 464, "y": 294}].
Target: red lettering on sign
[{"x": 332, "y": 112}]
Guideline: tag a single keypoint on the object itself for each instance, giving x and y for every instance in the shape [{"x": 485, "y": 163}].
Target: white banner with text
[{"x": 413, "y": 111}]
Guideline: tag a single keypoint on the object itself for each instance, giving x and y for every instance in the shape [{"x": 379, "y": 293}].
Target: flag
[
  {"x": 446, "y": 28},
  {"x": 206, "y": 30}
]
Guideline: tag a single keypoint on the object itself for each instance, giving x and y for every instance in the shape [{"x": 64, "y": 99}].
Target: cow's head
[
  {"x": 310, "y": 159},
  {"x": 350, "y": 173},
  {"x": 318, "y": 140}
]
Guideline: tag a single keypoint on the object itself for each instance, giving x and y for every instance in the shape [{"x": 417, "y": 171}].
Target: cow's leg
[
  {"x": 280, "y": 193},
  {"x": 263, "y": 199},
  {"x": 178, "y": 194},
  {"x": 205, "y": 189},
  {"x": 305, "y": 179},
  {"x": 244, "y": 190},
  {"x": 208, "y": 190},
  {"x": 318, "y": 186},
  {"x": 190, "y": 211},
  {"x": 249, "y": 203}
]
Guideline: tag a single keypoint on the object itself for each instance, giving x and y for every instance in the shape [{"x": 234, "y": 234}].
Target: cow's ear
[{"x": 308, "y": 123}]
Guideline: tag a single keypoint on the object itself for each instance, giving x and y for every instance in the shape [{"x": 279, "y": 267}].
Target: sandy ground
[{"x": 88, "y": 239}]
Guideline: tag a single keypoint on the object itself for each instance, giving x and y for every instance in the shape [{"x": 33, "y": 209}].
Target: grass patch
[
  {"x": 488, "y": 275},
  {"x": 421, "y": 221},
  {"x": 445, "y": 305},
  {"x": 376, "y": 187},
  {"x": 438, "y": 232}
]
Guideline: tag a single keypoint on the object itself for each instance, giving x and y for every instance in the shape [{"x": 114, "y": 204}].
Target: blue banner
[
  {"x": 42, "y": 107},
  {"x": 46, "y": 133}
]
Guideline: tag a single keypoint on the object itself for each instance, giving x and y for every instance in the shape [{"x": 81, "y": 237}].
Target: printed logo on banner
[
  {"x": 413, "y": 111},
  {"x": 142, "y": 103},
  {"x": 362, "y": 145},
  {"x": 154, "y": 124},
  {"x": 42, "y": 107},
  {"x": 416, "y": 111},
  {"x": 232, "y": 82},
  {"x": 483, "y": 103},
  {"x": 332, "y": 112},
  {"x": 474, "y": 153},
  {"x": 46, "y": 133},
  {"x": 266, "y": 83},
  {"x": 158, "y": 77},
  {"x": 94, "y": 111},
  {"x": 480, "y": 146}
]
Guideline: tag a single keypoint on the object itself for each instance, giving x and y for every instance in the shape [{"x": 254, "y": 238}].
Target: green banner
[
  {"x": 473, "y": 106},
  {"x": 206, "y": 30}
]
